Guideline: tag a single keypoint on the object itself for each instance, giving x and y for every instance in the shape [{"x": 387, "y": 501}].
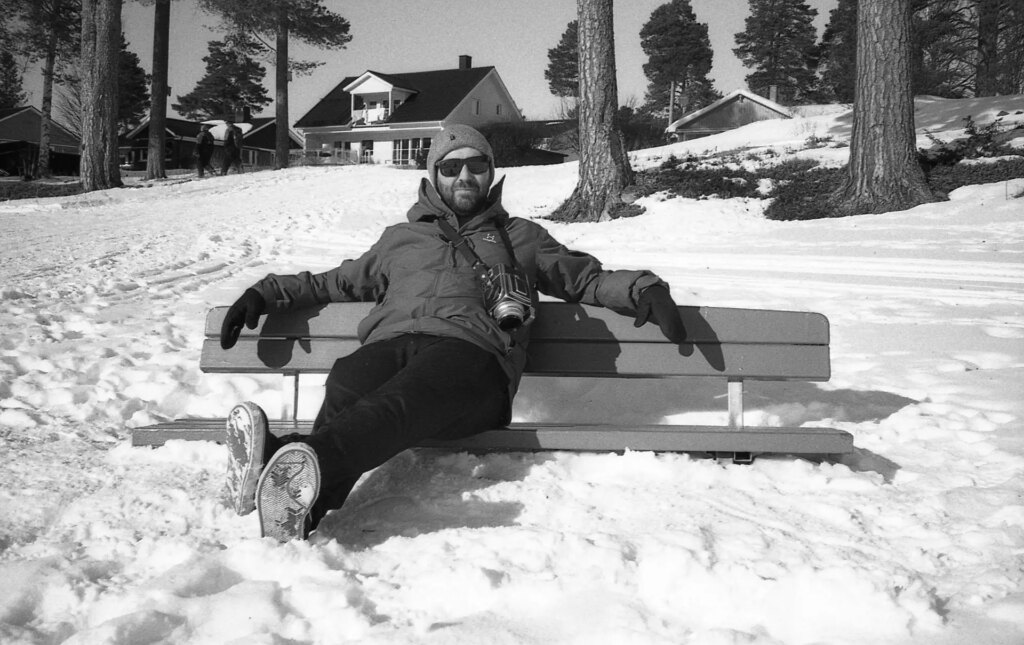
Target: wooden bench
[{"x": 567, "y": 340}]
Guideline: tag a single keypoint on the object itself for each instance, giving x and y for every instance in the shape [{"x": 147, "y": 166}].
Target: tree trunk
[
  {"x": 43, "y": 162},
  {"x": 155, "y": 166},
  {"x": 604, "y": 166},
  {"x": 101, "y": 39},
  {"x": 884, "y": 175},
  {"x": 987, "y": 73},
  {"x": 281, "y": 105}
]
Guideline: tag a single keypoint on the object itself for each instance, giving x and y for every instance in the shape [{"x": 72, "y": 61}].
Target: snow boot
[
  {"x": 286, "y": 492},
  {"x": 246, "y": 440}
]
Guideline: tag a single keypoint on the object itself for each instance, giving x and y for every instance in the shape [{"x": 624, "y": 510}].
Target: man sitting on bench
[{"x": 442, "y": 352}]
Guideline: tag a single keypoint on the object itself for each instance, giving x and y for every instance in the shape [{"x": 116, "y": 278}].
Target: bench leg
[
  {"x": 293, "y": 414},
  {"x": 735, "y": 404},
  {"x": 736, "y": 422}
]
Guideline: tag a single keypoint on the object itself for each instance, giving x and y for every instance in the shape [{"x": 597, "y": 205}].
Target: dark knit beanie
[{"x": 453, "y": 137}]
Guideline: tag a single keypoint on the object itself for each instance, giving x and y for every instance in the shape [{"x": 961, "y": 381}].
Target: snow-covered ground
[{"x": 917, "y": 537}]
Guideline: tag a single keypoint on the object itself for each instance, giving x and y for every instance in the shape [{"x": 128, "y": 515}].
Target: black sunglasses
[{"x": 453, "y": 167}]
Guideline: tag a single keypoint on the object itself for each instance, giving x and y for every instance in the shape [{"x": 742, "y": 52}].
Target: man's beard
[{"x": 465, "y": 202}]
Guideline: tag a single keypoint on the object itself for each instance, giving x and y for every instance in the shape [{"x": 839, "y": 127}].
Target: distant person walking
[
  {"x": 232, "y": 148},
  {"x": 204, "y": 150}
]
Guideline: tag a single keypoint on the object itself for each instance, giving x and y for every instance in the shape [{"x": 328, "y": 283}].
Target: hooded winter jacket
[{"x": 423, "y": 285}]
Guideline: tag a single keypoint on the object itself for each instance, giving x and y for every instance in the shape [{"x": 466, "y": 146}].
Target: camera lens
[{"x": 509, "y": 314}]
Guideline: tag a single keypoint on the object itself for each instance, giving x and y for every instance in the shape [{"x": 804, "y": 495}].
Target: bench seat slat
[
  {"x": 577, "y": 437},
  {"x": 565, "y": 321},
  {"x": 804, "y": 362}
]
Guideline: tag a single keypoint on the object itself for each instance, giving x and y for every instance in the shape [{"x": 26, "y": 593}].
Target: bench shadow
[
  {"x": 602, "y": 357},
  {"x": 277, "y": 342},
  {"x": 862, "y": 460},
  {"x": 697, "y": 327},
  {"x": 424, "y": 491}
]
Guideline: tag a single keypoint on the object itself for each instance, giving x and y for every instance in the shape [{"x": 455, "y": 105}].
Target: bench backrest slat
[
  {"x": 565, "y": 321},
  {"x": 801, "y": 362},
  {"x": 567, "y": 339}
]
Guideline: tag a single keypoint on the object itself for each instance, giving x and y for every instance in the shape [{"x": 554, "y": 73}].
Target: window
[
  {"x": 497, "y": 109},
  {"x": 476, "y": 106},
  {"x": 405, "y": 151}
]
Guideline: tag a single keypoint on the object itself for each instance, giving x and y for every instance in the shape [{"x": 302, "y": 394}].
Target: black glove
[
  {"x": 656, "y": 304},
  {"x": 246, "y": 309}
]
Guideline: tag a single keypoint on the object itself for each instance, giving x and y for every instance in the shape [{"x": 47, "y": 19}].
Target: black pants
[
  {"x": 231, "y": 159},
  {"x": 388, "y": 396},
  {"x": 203, "y": 163}
]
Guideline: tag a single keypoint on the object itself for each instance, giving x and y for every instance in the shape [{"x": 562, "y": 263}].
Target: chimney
[{"x": 465, "y": 62}]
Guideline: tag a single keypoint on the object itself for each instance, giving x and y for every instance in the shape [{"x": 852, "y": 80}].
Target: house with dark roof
[
  {"x": 19, "y": 143},
  {"x": 258, "y": 144},
  {"x": 390, "y": 118},
  {"x": 729, "y": 112}
]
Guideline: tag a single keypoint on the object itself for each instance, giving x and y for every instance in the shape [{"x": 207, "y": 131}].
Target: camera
[{"x": 506, "y": 295}]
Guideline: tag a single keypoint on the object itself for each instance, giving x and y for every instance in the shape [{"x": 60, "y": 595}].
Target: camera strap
[{"x": 462, "y": 244}]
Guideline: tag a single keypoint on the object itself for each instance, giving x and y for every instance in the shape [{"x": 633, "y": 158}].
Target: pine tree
[
  {"x": 156, "y": 144},
  {"x": 944, "y": 39},
  {"x": 563, "y": 72},
  {"x": 101, "y": 27},
  {"x": 1011, "y": 50},
  {"x": 133, "y": 93},
  {"x": 966, "y": 48},
  {"x": 12, "y": 93},
  {"x": 679, "y": 55},
  {"x": 883, "y": 173},
  {"x": 133, "y": 86},
  {"x": 698, "y": 95},
  {"x": 779, "y": 45},
  {"x": 837, "y": 62},
  {"x": 233, "y": 81},
  {"x": 987, "y": 68},
  {"x": 307, "y": 20},
  {"x": 604, "y": 167}
]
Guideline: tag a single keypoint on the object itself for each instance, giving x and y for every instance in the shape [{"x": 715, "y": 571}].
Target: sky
[{"x": 396, "y": 36}]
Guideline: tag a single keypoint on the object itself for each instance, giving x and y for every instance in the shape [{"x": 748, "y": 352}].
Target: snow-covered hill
[{"x": 918, "y": 537}]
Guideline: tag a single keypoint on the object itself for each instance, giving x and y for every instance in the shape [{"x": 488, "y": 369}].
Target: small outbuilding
[
  {"x": 19, "y": 143},
  {"x": 733, "y": 110}
]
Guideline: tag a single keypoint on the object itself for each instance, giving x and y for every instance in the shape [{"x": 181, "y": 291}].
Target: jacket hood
[{"x": 429, "y": 206}]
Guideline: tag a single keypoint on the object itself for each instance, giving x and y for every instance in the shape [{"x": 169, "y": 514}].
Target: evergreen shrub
[
  {"x": 511, "y": 142},
  {"x": 945, "y": 179},
  {"x": 989, "y": 140},
  {"x": 806, "y": 196},
  {"x": 800, "y": 190}
]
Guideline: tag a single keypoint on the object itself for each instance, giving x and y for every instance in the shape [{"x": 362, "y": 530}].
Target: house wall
[
  {"x": 354, "y": 146},
  {"x": 23, "y": 126},
  {"x": 481, "y": 107},
  {"x": 732, "y": 115},
  {"x": 371, "y": 85}
]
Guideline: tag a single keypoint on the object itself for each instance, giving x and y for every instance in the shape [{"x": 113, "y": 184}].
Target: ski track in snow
[{"x": 917, "y": 537}]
